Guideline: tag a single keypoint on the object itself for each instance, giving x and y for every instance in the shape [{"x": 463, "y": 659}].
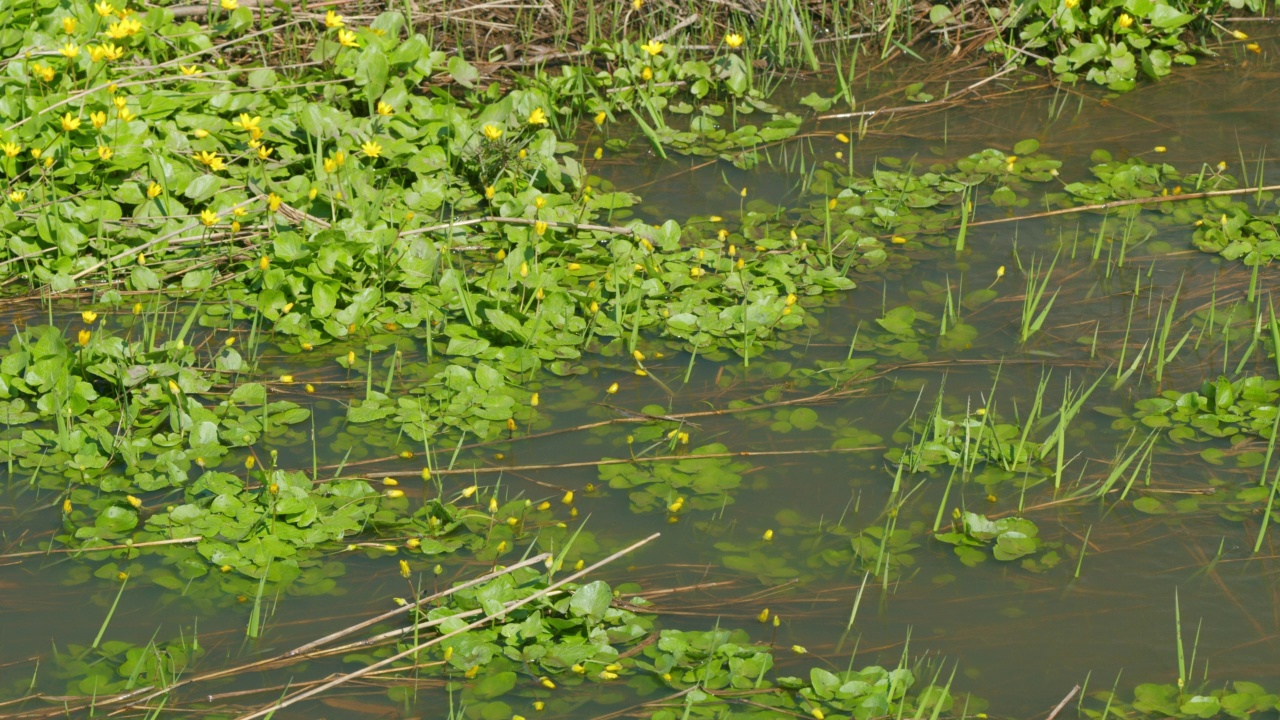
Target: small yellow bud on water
[
  {"x": 539, "y": 705},
  {"x": 135, "y": 502},
  {"x": 66, "y": 506},
  {"x": 612, "y": 389},
  {"x": 568, "y": 498},
  {"x": 580, "y": 564},
  {"x": 817, "y": 714},
  {"x": 768, "y": 535},
  {"x": 493, "y": 505},
  {"x": 798, "y": 649},
  {"x": 468, "y": 492},
  {"x": 547, "y": 683},
  {"x": 763, "y": 616},
  {"x": 404, "y": 569},
  {"x": 544, "y": 506}
]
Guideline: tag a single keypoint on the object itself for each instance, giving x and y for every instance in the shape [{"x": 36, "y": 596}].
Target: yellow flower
[
  {"x": 104, "y": 152},
  {"x": 89, "y": 317},
  {"x": 612, "y": 389},
  {"x": 208, "y": 217},
  {"x": 69, "y": 24},
  {"x": 206, "y": 158},
  {"x": 125, "y": 114},
  {"x": 340, "y": 158},
  {"x": 104, "y": 8},
  {"x": 646, "y": 74},
  {"x": 385, "y": 109},
  {"x": 768, "y": 535},
  {"x": 601, "y": 117},
  {"x": 189, "y": 69},
  {"x": 329, "y": 165},
  {"x": 247, "y": 122},
  {"x": 1254, "y": 47},
  {"x": 537, "y": 117},
  {"x": 653, "y": 47},
  {"x": 798, "y": 649},
  {"x": 599, "y": 153},
  {"x": 733, "y": 40},
  {"x": 539, "y": 228},
  {"x": 1125, "y": 20},
  {"x": 133, "y": 501},
  {"x": 347, "y": 38},
  {"x": 70, "y": 123},
  {"x": 154, "y": 190},
  {"x": 112, "y": 52},
  {"x": 66, "y": 506},
  {"x": 404, "y": 568},
  {"x": 1239, "y": 35},
  {"x": 123, "y": 29},
  {"x": 229, "y": 5},
  {"x": 763, "y": 616},
  {"x": 547, "y": 683},
  {"x": 1071, "y": 4},
  {"x": 17, "y": 196},
  {"x": 44, "y": 72},
  {"x": 371, "y": 148},
  {"x": 264, "y": 152},
  {"x": 264, "y": 262},
  {"x": 637, "y": 4},
  {"x": 488, "y": 192},
  {"x": 11, "y": 149},
  {"x": 98, "y": 119},
  {"x": 83, "y": 337},
  {"x": 333, "y": 20},
  {"x": 70, "y": 51},
  {"x": 97, "y": 53},
  {"x": 274, "y": 201}
]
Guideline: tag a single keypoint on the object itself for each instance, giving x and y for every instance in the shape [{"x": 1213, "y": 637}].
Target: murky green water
[{"x": 1021, "y": 632}]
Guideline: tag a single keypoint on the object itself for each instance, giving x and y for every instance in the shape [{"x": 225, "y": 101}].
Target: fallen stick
[
  {"x": 272, "y": 708},
  {"x": 1064, "y": 702},
  {"x": 624, "y": 461},
  {"x": 302, "y": 649}
]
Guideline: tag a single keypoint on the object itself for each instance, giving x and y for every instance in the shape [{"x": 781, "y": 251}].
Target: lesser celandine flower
[
  {"x": 69, "y": 51},
  {"x": 112, "y": 52},
  {"x": 229, "y": 5},
  {"x": 17, "y": 196},
  {"x": 274, "y": 201},
  {"x": 385, "y": 109},
  {"x": 333, "y": 20},
  {"x": 1125, "y": 20},
  {"x": 1071, "y": 4},
  {"x": 154, "y": 190},
  {"x": 69, "y": 24},
  {"x": 491, "y": 132},
  {"x": 98, "y": 119},
  {"x": 189, "y": 69},
  {"x": 346, "y": 38},
  {"x": 82, "y": 338},
  {"x": 104, "y": 8},
  {"x": 208, "y": 217},
  {"x": 89, "y": 317},
  {"x": 70, "y": 123},
  {"x": 104, "y": 152},
  {"x": 124, "y": 29},
  {"x": 539, "y": 228},
  {"x": 733, "y": 40},
  {"x": 601, "y": 117},
  {"x": 11, "y": 149},
  {"x": 537, "y": 117},
  {"x": 248, "y": 122},
  {"x": 646, "y": 74},
  {"x": 653, "y": 47},
  {"x": 371, "y": 148}
]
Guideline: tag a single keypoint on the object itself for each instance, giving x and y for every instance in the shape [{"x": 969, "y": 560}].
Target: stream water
[{"x": 1021, "y": 632}]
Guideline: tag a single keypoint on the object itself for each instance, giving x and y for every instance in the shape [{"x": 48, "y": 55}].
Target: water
[{"x": 1020, "y": 637}]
